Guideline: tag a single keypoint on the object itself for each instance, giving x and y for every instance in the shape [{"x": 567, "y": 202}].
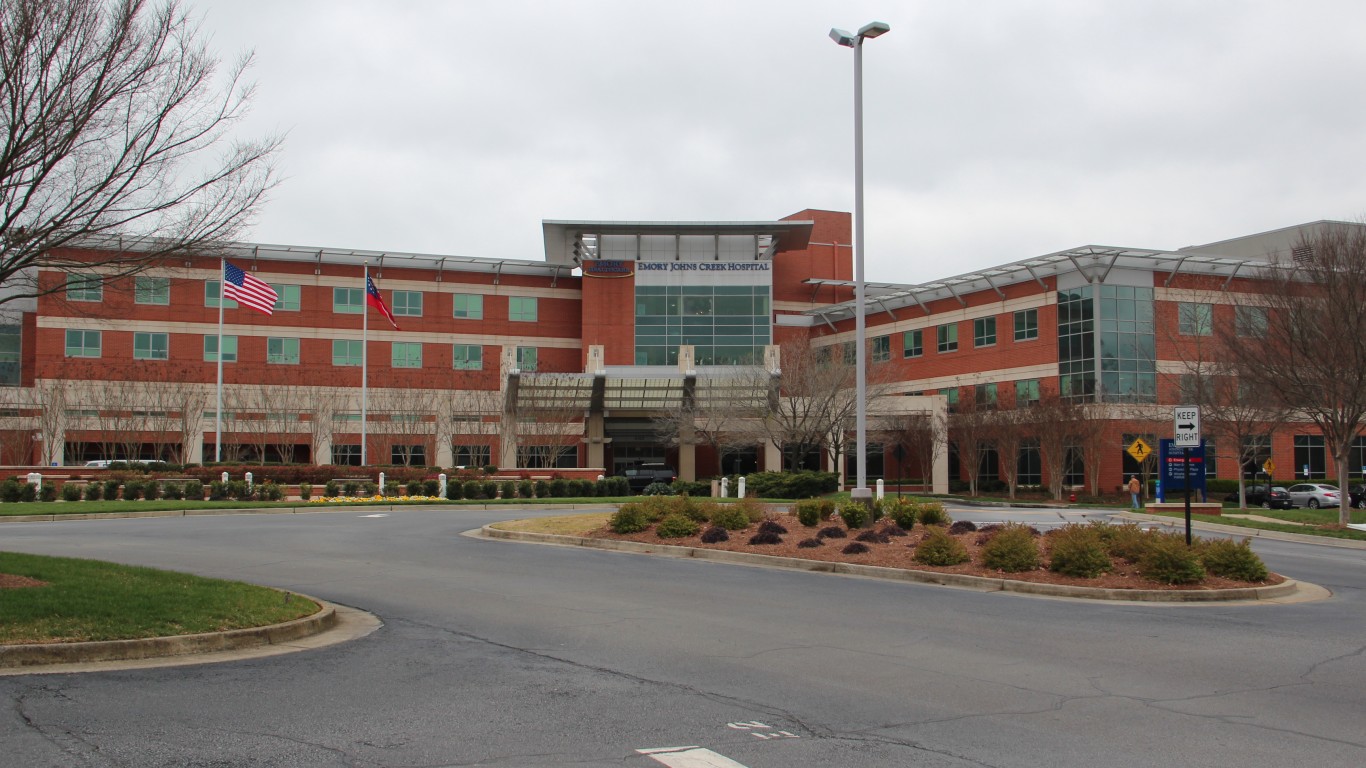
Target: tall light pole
[{"x": 860, "y": 492}]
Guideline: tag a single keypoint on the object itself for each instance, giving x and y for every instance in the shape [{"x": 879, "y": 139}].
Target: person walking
[{"x": 1134, "y": 488}]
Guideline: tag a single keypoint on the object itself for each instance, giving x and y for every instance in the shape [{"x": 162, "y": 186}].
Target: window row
[
  {"x": 157, "y": 291},
  {"x": 986, "y": 395},
  {"x": 285, "y": 350},
  {"x": 1197, "y": 319},
  {"x": 1026, "y": 322}
]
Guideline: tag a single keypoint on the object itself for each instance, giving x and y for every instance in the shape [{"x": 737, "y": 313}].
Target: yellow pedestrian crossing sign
[
  {"x": 1269, "y": 466},
  {"x": 1139, "y": 450}
]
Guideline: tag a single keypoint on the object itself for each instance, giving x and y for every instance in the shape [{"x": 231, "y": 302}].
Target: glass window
[
  {"x": 286, "y": 297},
  {"x": 1195, "y": 319},
  {"x": 984, "y": 332},
  {"x": 10, "y": 352},
  {"x": 472, "y": 455},
  {"x": 1250, "y": 321},
  {"x": 82, "y": 343},
  {"x": 912, "y": 343},
  {"x": 346, "y": 454},
  {"x": 468, "y": 305},
  {"x": 348, "y": 301},
  {"x": 948, "y": 337},
  {"x": 951, "y": 395},
  {"x": 150, "y": 346},
  {"x": 211, "y": 349},
  {"x": 1311, "y": 461},
  {"x": 407, "y": 304},
  {"x": 152, "y": 290},
  {"x": 526, "y": 358},
  {"x": 467, "y": 357},
  {"x": 882, "y": 349},
  {"x": 725, "y": 324},
  {"x": 1026, "y": 324},
  {"x": 80, "y": 288},
  {"x": 522, "y": 309},
  {"x": 408, "y": 455},
  {"x": 985, "y": 396},
  {"x": 212, "y": 291},
  {"x": 1026, "y": 392},
  {"x": 282, "y": 351},
  {"x": 406, "y": 354},
  {"x": 346, "y": 352}
]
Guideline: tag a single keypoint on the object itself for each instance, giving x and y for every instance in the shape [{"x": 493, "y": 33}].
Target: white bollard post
[
  {"x": 441, "y": 478},
  {"x": 36, "y": 480},
  {"x": 225, "y": 478},
  {"x": 879, "y": 489},
  {"x": 247, "y": 477},
  {"x": 740, "y": 487},
  {"x": 381, "y": 484},
  {"x": 725, "y": 487}
]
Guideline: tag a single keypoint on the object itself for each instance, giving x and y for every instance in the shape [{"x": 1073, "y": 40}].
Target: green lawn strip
[
  {"x": 92, "y": 600},
  {"x": 1331, "y": 533}
]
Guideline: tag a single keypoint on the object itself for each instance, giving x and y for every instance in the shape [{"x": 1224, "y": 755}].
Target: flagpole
[
  {"x": 364, "y": 362},
  {"x": 218, "y": 409}
]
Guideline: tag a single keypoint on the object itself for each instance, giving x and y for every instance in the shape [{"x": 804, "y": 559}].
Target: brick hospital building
[{"x": 573, "y": 358}]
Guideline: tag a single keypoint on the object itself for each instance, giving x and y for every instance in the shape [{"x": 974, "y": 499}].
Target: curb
[
  {"x": 1251, "y": 533},
  {"x": 1287, "y": 589},
  {"x": 37, "y": 654}
]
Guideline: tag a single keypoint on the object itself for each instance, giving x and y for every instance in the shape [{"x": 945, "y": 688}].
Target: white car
[{"x": 1314, "y": 495}]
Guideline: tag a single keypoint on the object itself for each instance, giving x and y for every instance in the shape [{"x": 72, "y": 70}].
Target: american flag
[{"x": 247, "y": 290}]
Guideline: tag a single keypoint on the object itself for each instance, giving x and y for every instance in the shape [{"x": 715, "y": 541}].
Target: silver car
[{"x": 1314, "y": 495}]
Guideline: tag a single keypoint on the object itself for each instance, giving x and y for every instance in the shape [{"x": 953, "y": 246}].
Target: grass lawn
[
  {"x": 92, "y": 600},
  {"x": 564, "y": 525}
]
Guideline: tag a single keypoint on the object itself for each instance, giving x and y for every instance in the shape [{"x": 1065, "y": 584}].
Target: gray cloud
[{"x": 995, "y": 130}]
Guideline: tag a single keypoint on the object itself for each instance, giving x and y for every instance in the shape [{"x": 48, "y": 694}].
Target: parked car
[
  {"x": 641, "y": 476},
  {"x": 1257, "y": 497},
  {"x": 1314, "y": 495},
  {"x": 1357, "y": 496}
]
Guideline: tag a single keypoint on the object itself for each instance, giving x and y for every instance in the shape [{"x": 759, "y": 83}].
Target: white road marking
[
  {"x": 689, "y": 757},
  {"x": 754, "y": 725},
  {"x": 381, "y": 514}
]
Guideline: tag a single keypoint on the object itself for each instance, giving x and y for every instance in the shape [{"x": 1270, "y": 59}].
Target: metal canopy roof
[
  {"x": 1094, "y": 262},
  {"x": 645, "y": 388},
  {"x": 559, "y": 235},
  {"x": 252, "y": 252}
]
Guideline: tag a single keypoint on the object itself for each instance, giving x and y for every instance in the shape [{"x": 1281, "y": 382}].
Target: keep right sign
[{"x": 1186, "y": 426}]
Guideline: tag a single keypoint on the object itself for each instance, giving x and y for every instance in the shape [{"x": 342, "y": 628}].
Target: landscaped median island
[
  {"x": 915, "y": 536},
  {"x": 51, "y": 600}
]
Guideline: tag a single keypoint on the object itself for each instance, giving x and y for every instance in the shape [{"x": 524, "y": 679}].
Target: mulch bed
[{"x": 900, "y": 553}]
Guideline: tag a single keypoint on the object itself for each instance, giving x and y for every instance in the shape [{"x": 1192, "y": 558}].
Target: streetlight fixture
[{"x": 860, "y": 492}]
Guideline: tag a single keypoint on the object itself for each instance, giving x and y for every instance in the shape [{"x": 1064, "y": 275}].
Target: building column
[
  {"x": 773, "y": 457},
  {"x": 939, "y": 418},
  {"x": 445, "y": 456},
  {"x": 595, "y": 431}
]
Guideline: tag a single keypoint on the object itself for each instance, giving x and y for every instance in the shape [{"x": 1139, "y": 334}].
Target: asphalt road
[{"x": 504, "y": 654}]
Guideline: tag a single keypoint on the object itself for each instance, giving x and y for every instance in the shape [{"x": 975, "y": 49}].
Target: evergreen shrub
[
  {"x": 1168, "y": 560},
  {"x": 939, "y": 548},
  {"x": 676, "y": 526},
  {"x": 854, "y": 513},
  {"x": 730, "y": 517},
  {"x": 715, "y": 534},
  {"x": 1233, "y": 560},
  {"x": 132, "y": 490},
  {"x": 305, "y": 491},
  {"x": 1012, "y": 549},
  {"x": 1078, "y": 550},
  {"x": 194, "y": 490},
  {"x": 94, "y": 491},
  {"x": 629, "y": 518},
  {"x": 932, "y": 513},
  {"x": 71, "y": 492},
  {"x": 49, "y": 492}
]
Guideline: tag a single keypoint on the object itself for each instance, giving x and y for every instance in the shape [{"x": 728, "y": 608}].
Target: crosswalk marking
[{"x": 689, "y": 757}]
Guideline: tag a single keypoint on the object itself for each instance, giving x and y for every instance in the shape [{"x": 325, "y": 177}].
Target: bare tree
[
  {"x": 1312, "y": 356},
  {"x": 1090, "y": 436},
  {"x": 110, "y": 116},
  {"x": 971, "y": 432},
  {"x": 319, "y": 403},
  {"x": 409, "y": 416},
  {"x": 190, "y": 401},
  {"x": 1007, "y": 428},
  {"x": 463, "y": 410},
  {"x": 922, "y": 435},
  {"x": 713, "y": 413},
  {"x": 814, "y": 404},
  {"x": 546, "y": 415},
  {"x": 1054, "y": 421}
]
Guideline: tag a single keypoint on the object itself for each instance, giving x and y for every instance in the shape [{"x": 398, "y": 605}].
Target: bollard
[
  {"x": 225, "y": 478},
  {"x": 740, "y": 487},
  {"x": 441, "y": 479},
  {"x": 35, "y": 479},
  {"x": 247, "y": 477},
  {"x": 879, "y": 489},
  {"x": 381, "y": 484},
  {"x": 725, "y": 487}
]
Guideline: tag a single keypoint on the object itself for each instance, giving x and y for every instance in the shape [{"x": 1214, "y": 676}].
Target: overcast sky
[{"x": 995, "y": 130}]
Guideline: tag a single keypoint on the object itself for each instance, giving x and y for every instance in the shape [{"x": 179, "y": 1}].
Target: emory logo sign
[{"x": 608, "y": 269}]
